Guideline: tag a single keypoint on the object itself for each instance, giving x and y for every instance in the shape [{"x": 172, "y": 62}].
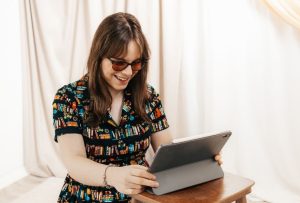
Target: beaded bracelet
[{"x": 104, "y": 176}]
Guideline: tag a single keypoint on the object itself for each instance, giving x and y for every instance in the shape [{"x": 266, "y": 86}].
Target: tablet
[{"x": 187, "y": 162}]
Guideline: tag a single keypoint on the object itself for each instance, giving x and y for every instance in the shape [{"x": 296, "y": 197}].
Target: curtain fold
[
  {"x": 289, "y": 10},
  {"x": 217, "y": 65}
]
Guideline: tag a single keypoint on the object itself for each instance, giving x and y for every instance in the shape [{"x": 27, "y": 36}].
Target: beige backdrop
[{"x": 219, "y": 65}]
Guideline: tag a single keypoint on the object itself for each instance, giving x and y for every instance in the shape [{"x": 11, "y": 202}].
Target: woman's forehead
[{"x": 133, "y": 52}]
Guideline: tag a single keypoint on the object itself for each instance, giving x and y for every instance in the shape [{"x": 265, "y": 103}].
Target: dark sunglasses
[{"x": 119, "y": 65}]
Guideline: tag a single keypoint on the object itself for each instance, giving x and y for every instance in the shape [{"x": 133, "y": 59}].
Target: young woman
[{"x": 105, "y": 121}]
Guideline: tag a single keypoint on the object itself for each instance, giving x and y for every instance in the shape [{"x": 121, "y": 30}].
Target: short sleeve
[
  {"x": 65, "y": 113},
  {"x": 155, "y": 111}
]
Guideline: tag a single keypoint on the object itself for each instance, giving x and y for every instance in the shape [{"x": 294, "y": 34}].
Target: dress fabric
[{"x": 122, "y": 144}]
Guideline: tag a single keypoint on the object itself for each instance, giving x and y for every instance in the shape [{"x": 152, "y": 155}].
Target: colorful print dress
[{"x": 122, "y": 144}]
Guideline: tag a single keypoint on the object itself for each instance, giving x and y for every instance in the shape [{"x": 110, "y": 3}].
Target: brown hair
[{"x": 111, "y": 40}]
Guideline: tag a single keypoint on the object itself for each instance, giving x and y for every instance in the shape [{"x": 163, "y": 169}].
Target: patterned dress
[{"x": 122, "y": 144}]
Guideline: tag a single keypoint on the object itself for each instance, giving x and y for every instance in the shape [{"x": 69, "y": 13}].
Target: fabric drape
[
  {"x": 289, "y": 10},
  {"x": 218, "y": 65}
]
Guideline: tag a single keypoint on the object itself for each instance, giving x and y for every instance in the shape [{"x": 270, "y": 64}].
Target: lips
[{"x": 122, "y": 79}]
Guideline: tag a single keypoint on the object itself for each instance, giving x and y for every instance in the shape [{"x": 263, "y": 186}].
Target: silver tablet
[{"x": 187, "y": 162}]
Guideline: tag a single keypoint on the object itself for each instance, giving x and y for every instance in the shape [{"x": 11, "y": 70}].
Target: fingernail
[{"x": 156, "y": 184}]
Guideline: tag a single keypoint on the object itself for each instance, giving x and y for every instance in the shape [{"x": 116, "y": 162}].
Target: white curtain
[
  {"x": 289, "y": 10},
  {"x": 219, "y": 65}
]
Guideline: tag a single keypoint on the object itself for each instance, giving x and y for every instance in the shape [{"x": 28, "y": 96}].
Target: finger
[
  {"x": 218, "y": 157},
  {"x": 143, "y": 181},
  {"x": 220, "y": 162},
  {"x": 135, "y": 186},
  {"x": 146, "y": 173},
  {"x": 143, "y": 174},
  {"x": 131, "y": 191}
]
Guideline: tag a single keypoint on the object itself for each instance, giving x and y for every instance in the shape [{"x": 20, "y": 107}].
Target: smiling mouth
[{"x": 121, "y": 78}]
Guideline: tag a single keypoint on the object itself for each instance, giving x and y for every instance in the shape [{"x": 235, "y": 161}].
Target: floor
[{"x": 32, "y": 189}]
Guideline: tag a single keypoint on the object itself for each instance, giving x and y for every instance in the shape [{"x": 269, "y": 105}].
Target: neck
[{"x": 115, "y": 94}]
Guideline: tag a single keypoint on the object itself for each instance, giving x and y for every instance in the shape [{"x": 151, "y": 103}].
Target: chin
[{"x": 119, "y": 87}]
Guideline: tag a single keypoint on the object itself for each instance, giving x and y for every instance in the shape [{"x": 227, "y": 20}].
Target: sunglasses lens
[
  {"x": 119, "y": 65},
  {"x": 137, "y": 66}
]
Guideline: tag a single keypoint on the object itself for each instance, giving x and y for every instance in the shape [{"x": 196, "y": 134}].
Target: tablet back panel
[
  {"x": 186, "y": 175},
  {"x": 180, "y": 165}
]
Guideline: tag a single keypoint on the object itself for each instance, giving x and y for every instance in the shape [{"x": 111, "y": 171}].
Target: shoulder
[
  {"x": 151, "y": 91},
  {"x": 153, "y": 96},
  {"x": 73, "y": 91},
  {"x": 155, "y": 111}
]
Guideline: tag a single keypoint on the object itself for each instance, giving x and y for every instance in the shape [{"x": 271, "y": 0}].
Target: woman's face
[{"x": 118, "y": 80}]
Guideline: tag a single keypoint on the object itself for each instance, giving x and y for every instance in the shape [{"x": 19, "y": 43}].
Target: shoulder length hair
[{"x": 111, "y": 40}]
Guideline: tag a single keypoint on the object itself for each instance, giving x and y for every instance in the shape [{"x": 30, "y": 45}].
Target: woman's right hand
[{"x": 130, "y": 179}]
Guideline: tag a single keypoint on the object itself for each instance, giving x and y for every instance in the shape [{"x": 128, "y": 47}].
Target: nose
[{"x": 127, "y": 71}]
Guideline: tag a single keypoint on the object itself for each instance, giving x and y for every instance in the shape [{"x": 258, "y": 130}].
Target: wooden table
[{"x": 227, "y": 189}]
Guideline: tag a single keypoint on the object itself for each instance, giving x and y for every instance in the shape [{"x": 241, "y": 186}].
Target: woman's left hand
[{"x": 218, "y": 158}]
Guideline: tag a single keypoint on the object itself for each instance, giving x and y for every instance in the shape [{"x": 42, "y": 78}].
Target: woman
[{"x": 109, "y": 118}]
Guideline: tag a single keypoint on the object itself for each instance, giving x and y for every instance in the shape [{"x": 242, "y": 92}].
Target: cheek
[
  {"x": 109, "y": 76},
  {"x": 108, "y": 72}
]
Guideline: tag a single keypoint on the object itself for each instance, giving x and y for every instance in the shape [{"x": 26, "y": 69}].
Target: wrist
[{"x": 110, "y": 175}]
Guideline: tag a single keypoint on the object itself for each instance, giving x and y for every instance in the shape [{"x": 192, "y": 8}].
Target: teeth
[{"x": 120, "y": 78}]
